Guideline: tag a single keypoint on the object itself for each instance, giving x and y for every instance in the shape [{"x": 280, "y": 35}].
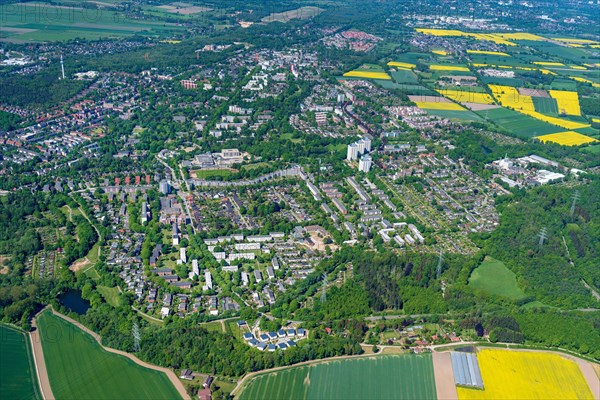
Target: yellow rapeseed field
[
  {"x": 549, "y": 63},
  {"x": 579, "y": 41},
  {"x": 527, "y": 375},
  {"x": 596, "y": 120},
  {"x": 367, "y": 75},
  {"x": 440, "y": 52},
  {"x": 579, "y": 79},
  {"x": 567, "y": 138},
  {"x": 568, "y": 102},
  {"x": 436, "y": 105},
  {"x": 467, "y": 96},
  {"x": 448, "y": 68},
  {"x": 493, "y": 53},
  {"x": 509, "y": 97},
  {"x": 520, "y": 36},
  {"x": 577, "y": 67},
  {"x": 455, "y": 32},
  {"x": 401, "y": 64}
]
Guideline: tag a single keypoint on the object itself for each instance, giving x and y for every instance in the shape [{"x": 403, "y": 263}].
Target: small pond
[{"x": 74, "y": 302}]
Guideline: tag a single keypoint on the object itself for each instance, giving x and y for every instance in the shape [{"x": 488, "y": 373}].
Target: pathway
[{"x": 39, "y": 362}]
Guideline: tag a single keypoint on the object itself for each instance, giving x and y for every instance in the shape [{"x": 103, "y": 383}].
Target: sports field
[
  {"x": 493, "y": 277},
  {"x": 527, "y": 375},
  {"x": 407, "y": 376},
  {"x": 78, "y": 368},
  {"x": 17, "y": 371}
]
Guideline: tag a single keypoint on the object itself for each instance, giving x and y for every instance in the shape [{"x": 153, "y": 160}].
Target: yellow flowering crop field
[
  {"x": 568, "y": 102},
  {"x": 467, "y": 96},
  {"x": 440, "y": 52},
  {"x": 549, "y": 63},
  {"x": 567, "y": 138},
  {"x": 579, "y": 79},
  {"x": 436, "y": 105},
  {"x": 367, "y": 75},
  {"x": 448, "y": 68},
  {"x": 401, "y": 64},
  {"x": 493, "y": 53},
  {"x": 527, "y": 375},
  {"x": 520, "y": 36},
  {"x": 508, "y": 96}
]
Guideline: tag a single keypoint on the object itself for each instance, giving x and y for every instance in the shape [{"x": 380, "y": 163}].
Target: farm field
[
  {"x": 78, "y": 368},
  {"x": 42, "y": 21},
  {"x": 17, "y": 370},
  {"x": 367, "y": 74},
  {"x": 467, "y": 96},
  {"x": 567, "y": 138},
  {"x": 493, "y": 277},
  {"x": 527, "y": 375},
  {"x": 407, "y": 376},
  {"x": 519, "y": 124}
]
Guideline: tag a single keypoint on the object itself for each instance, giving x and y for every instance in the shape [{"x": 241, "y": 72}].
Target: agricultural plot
[
  {"x": 569, "y": 138},
  {"x": 402, "y": 76},
  {"x": 493, "y": 277},
  {"x": 545, "y": 105},
  {"x": 78, "y": 368},
  {"x": 367, "y": 74},
  {"x": 459, "y": 68},
  {"x": 527, "y": 375},
  {"x": 40, "y": 21},
  {"x": 401, "y": 65},
  {"x": 18, "y": 379},
  {"x": 467, "y": 96},
  {"x": 517, "y": 123},
  {"x": 382, "y": 377},
  {"x": 567, "y": 102}
]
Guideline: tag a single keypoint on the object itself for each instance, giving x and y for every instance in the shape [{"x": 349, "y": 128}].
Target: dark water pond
[{"x": 74, "y": 302}]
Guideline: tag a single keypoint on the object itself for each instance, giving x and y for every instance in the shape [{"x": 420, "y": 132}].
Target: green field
[
  {"x": 210, "y": 173},
  {"x": 79, "y": 368},
  {"x": 42, "y": 21},
  {"x": 402, "y": 76},
  {"x": 407, "y": 376},
  {"x": 519, "y": 124},
  {"x": 18, "y": 379},
  {"x": 545, "y": 105},
  {"x": 493, "y": 277},
  {"x": 110, "y": 294}
]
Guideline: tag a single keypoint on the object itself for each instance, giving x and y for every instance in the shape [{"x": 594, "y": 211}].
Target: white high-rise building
[
  {"x": 352, "y": 152},
  {"x": 361, "y": 147},
  {"x": 195, "y": 267},
  {"x": 365, "y": 163},
  {"x": 367, "y": 142},
  {"x": 182, "y": 255}
]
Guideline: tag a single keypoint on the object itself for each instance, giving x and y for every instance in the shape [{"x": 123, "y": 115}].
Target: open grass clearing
[{"x": 493, "y": 277}]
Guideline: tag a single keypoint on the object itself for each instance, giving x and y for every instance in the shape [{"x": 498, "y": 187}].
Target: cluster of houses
[{"x": 271, "y": 341}]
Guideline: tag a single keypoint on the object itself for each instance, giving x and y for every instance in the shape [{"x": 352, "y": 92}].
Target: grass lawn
[
  {"x": 209, "y": 173},
  {"x": 493, "y": 277},
  {"x": 79, "y": 368},
  {"x": 592, "y": 149},
  {"x": 92, "y": 273},
  {"x": 212, "y": 326},
  {"x": 382, "y": 377},
  {"x": 16, "y": 366},
  {"x": 232, "y": 328},
  {"x": 111, "y": 295}
]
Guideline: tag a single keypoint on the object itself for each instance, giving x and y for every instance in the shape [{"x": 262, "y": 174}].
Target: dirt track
[
  {"x": 40, "y": 364},
  {"x": 444, "y": 377}
]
